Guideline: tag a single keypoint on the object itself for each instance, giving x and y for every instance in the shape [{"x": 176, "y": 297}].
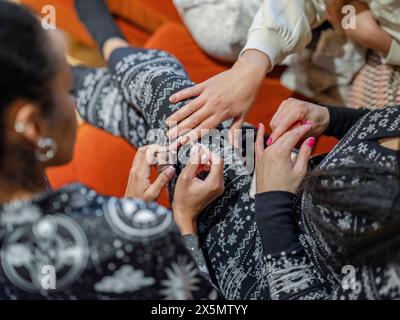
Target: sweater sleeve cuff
[
  {"x": 268, "y": 42},
  {"x": 393, "y": 57},
  {"x": 275, "y": 222},
  {"x": 341, "y": 119}
]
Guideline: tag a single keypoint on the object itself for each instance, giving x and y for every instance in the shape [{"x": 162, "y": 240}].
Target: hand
[
  {"x": 227, "y": 95},
  {"x": 275, "y": 170},
  {"x": 192, "y": 194},
  {"x": 293, "y": 112},
  {"x": 139, "y": 184}
]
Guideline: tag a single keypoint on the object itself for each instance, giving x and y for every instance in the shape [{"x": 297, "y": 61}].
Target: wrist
[
  {"x": 185, "y": 221},
  {"x": 256, "y": 62},
  {"x": 326, "y": 118}
]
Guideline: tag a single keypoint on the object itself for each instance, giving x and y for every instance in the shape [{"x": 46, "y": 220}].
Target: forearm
[
  {"x": 375, "y": 39},
  {"x": 290, "y": 274},
  {"x": 341, "y": 119}
]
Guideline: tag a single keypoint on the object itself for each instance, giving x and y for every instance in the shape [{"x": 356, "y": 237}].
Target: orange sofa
[{"x": 103, "y": 161}]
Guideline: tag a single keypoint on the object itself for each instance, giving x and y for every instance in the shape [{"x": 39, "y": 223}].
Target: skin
[
  {"x": 293, "y": 112},
  {"x": 191, "y": 195},
  {"x": 60, "y": 125},
  {"x": 231, "y": 93},
  {"x": 275, "y": 170}
]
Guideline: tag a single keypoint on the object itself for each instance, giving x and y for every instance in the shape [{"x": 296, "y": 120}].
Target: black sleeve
[
  {"x": 291, "y": 275},
  {"x": 275, "y": 221},
  {"x": 342, "y": 119}
]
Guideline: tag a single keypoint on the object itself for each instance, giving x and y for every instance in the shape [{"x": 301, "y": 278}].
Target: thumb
[
  {"x": 304, "y": 155},
  {"x": 235, "y": 131},
  {"x": 163, "y": 178}
]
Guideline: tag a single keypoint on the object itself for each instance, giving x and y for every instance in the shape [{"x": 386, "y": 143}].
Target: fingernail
[
  {"x": 259, "y": 126},
  {"x": 204, "y": 159},
  {"x": 183, "y": 140},
  {"x": 269, "y": 141},
  {"x": 194, "y": 149},
  {"x": 311, "y": 142},
  {"x": 308, "y": 123},
  {"x": 170, "y": 171}
]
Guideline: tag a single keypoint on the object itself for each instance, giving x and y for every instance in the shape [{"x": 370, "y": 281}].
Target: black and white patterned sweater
[{"x": 301, "y": 262}]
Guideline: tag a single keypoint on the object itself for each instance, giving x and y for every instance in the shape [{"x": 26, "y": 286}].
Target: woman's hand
[
  {"x": 139, "y": 184},
  {"x": 275, "y": 170},
  {"x": 293, "y": 112},
  {"x": 227, "y": 95},
  {"x": 192, "y": 194}
]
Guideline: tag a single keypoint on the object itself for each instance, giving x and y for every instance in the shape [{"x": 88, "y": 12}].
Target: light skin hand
[
  {"x": 227, "y": 95},
  {"x": 139, "y": 184},
  {"x": 275, "y": 170},
  {"x": 293, "y": 112},
  {"x": 192, "y": 194}
]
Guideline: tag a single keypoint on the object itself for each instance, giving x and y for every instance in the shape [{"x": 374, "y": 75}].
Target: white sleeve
[
  {"x": 282, "y": 27},
  {"x": 393, "y": 57}
]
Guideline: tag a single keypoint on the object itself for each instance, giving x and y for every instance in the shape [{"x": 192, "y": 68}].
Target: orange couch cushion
[{"x": 146, "y": 15}]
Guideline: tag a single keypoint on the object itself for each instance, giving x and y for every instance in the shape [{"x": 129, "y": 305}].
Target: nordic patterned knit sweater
[
  {"x": 131, "y": 98},
  {"x": 301, "y": 260}
]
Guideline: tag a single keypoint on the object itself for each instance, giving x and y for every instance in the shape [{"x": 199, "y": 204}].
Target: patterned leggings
[{"x": 130, "y": 98}]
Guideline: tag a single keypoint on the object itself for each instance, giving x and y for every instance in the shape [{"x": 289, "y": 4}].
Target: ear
[{"x": 27, "y": 121}]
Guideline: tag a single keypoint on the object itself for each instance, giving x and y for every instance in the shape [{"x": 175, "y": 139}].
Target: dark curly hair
[{"x": 27, "y": 68}]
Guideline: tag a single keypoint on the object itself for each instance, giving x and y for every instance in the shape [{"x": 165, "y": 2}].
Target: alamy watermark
[{"x": 49, "y": 17}]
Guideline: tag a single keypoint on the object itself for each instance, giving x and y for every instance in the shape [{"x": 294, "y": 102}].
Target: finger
[
  {"x": 187, "y": 93},
  {"x": 191, "y": 167},
  {"x": 285, "y": 123},
  {"x": 290, "y": 139},
  {"x": 201, "y": 130},
  {"x": 259, "y": 145},
  {"x": 277, "y": 115},
  {"x": 163, "y": 178},
  {"x": 216, "y": 165},
  {"x": 185, "y": 112},
  {"x": 141, "y": 167},
  {"x": 234, "y": 131},
  {"x": 304, "y": 155},
  {"x": 192, "y": 121}
]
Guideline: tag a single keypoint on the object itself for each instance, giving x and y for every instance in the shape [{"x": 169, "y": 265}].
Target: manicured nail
[
  {"x": 269, "y": 141},
  {"x": 204, "y": 159},
  {"x": 182, "y": 140},
  {"x": 170, "y": 171},
  {"x": 311, "y": 142},
  {"x": 194, "y": 149}
]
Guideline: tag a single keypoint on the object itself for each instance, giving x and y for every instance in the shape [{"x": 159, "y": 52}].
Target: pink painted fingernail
[
  {"x": 311, "y": 142},
  {"x": 269, "y": 141},
  {"x": 308, "y": 123}
]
